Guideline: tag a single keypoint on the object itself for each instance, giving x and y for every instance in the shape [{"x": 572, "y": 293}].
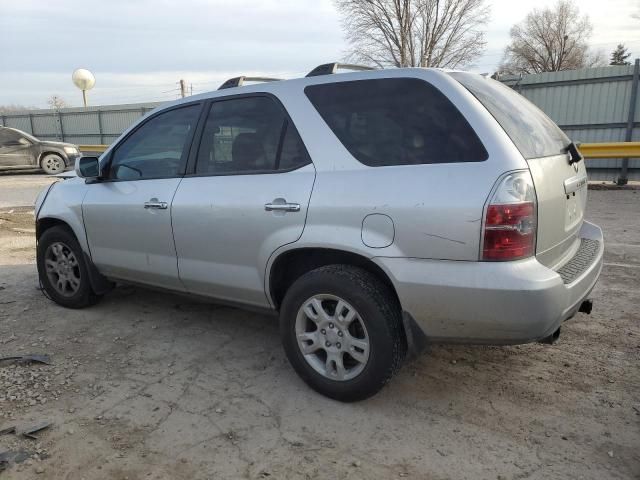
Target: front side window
[
  {"x": 9, "y": 136},
  {"x": 396, "y": 121},
  {"x": 156, "y": 149},
  {"x": 249, "y": 135}
]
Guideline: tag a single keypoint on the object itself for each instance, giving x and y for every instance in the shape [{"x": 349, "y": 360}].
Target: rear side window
[
  {"x": 249, "y": 135},
  {"x": 396, "y": 121},
  {"x": 532, "y": 132}
]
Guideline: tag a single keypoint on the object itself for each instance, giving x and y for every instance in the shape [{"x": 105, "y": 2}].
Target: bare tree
[
  {"x": 414, "y": 33},
  {"x": 56, "y": 102},
  {"x": 13, "y": 108},
  {"x": 550, "y": 40}
]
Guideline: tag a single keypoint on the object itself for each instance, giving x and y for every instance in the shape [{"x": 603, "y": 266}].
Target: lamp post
[{"x": 84, "y": 80}]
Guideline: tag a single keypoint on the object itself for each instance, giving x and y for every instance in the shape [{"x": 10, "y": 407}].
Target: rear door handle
[
  {"x": 282, "y": 207},
  {"x": 154, "y": 203}
]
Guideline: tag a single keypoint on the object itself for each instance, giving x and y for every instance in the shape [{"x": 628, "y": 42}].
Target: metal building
[{"x": 590, "y": 105}]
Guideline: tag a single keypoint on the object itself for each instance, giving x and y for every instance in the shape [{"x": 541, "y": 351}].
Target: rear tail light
[{"x": 511, "y": 219}]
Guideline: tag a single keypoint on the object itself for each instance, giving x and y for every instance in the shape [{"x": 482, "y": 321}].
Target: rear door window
[
  {"x": 396, "y": 121},
  {"x": 249, "y": 135},
  {"x": 530, "y": 129}
]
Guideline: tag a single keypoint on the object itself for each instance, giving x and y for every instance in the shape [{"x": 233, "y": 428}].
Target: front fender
[{"x": 63, "y": 202}]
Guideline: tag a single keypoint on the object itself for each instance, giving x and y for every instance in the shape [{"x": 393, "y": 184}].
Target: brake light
[{"x": 511, "y": 220}]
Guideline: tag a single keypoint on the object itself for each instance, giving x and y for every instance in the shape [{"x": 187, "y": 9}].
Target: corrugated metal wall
[
  {"x": 590, "y": 105},
  {"x": 90, "y": 126}
]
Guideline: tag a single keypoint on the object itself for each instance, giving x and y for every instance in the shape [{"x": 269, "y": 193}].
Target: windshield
[{"x": 530, "y": 129}]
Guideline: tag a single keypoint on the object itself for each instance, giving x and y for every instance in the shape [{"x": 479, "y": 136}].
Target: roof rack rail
[
  {"x": 329, "y": 68},
  {"x": 239, "y": 81}
]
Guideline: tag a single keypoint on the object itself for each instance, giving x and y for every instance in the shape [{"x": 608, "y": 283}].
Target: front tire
[
  {"x": 62, "y": 269},
  {"x": 341, "y": 329},
  {"x": 52, "y": 164}
]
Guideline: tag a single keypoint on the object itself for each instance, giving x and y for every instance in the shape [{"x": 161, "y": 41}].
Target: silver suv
[{"x": 375, "y": 211}]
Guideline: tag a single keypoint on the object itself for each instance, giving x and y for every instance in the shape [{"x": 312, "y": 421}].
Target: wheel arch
[
  {"x": 291, "y": 264},
  {"x": 99, "y": 283},
  {"x": 44, "y": 224}
]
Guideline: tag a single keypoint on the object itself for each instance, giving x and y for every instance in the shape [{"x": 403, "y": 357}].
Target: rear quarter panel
[{"x": 436, "y": 209}]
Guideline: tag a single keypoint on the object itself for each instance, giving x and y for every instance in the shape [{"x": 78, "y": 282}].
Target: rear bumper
[{"x": 491, "y": 302}]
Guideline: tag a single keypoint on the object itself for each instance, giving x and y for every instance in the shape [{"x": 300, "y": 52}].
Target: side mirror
[{"x": 88, "y": 167}]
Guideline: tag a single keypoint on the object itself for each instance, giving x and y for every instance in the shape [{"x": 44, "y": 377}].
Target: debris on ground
[
  {"x": 8, "y": 430},
  {"x": 29, "y": 432},
  {"x": 11, "y": 457},
  {"x": 28, "y": 358}
]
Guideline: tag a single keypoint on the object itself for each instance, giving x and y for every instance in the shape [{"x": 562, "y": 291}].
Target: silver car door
[
  {"x": 127, "y": 216},
  {"x": 248, "y": 196}
]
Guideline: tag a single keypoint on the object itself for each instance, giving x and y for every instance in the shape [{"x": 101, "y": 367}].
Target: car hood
[
  {"x": 67, "y": 174},
  {"x": 57, "y": 144}
]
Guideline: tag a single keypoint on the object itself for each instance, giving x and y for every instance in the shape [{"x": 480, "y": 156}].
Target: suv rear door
[
  {"x": 247, "y": 194},
  {"x": 560, "y": 181}
]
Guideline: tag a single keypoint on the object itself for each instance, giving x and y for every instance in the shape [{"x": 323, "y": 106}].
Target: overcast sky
[{"x": 139, "y": 49}]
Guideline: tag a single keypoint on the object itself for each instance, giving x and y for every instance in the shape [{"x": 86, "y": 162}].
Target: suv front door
[
  {"x": 127, "y": 216},
  {"x": 246, "y": 196}
]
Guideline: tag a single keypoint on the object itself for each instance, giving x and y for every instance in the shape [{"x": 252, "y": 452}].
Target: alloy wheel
[
  {"x": 332, "y": 337},
  {"x": 52, "y": 164},
  {"x": 62, "y": 268}
]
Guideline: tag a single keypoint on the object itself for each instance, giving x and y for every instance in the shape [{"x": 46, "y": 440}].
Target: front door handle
[
  {"x": 154, "y": 203},
  {"x": 282, "y": 207}
]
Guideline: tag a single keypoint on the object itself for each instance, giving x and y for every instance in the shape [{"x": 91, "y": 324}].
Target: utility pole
[
  {"x": 183, "y": 88},
  {"x": 191, "y": 89}
]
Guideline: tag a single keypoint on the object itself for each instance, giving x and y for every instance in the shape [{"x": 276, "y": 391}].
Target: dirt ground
[{"x": 147, "y": 385}]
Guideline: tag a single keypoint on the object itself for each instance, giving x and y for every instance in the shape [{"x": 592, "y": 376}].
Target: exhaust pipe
[
  {"x": 551, "y": 339},
  {"x": 586, "y": 307}
]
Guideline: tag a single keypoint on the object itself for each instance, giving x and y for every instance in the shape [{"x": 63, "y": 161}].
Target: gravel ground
[
  {"x": 148, "y": 385},
  {"x": 21, "y": 190}
]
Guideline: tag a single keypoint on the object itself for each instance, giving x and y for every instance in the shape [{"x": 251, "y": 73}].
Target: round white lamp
[{"x": 84, "y": 80}]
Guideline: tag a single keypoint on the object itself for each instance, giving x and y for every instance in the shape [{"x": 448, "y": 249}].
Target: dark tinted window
[
  {"x": 532, "y": 132},
  {"x": 7, "y": 135},
  {"x": 396, "y": 121},
  {"x": 245, "y": 135},
  {"x": 156, "y": 148},
  {"x": 293, "y": 154}
]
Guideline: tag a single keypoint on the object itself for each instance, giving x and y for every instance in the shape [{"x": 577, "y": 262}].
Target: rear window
[
  {"x": 532, "y": 132},
  {"x": 396, "y": 121}
]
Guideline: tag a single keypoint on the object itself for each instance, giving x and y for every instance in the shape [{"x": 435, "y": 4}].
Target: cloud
[{"x": 138, "y": 50}]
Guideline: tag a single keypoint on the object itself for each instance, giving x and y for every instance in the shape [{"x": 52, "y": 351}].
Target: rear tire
[
  {"x": 62, "y": 269},
  {"x": 52, "y": 164},
  {"x": 341, "y": 329}
]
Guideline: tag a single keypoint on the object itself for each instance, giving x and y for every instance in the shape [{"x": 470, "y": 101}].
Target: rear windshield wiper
[{"x": 574, "y": 153}]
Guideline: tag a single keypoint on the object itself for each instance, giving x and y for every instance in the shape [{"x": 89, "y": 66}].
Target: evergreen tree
[{"x": 619, "y": 55}]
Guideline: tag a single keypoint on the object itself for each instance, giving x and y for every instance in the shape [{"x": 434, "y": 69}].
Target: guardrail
[
  {"x": 93, "y": 148},
  {"x": 610, "y": 150},
  {"x": 589, "y": 150}
]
